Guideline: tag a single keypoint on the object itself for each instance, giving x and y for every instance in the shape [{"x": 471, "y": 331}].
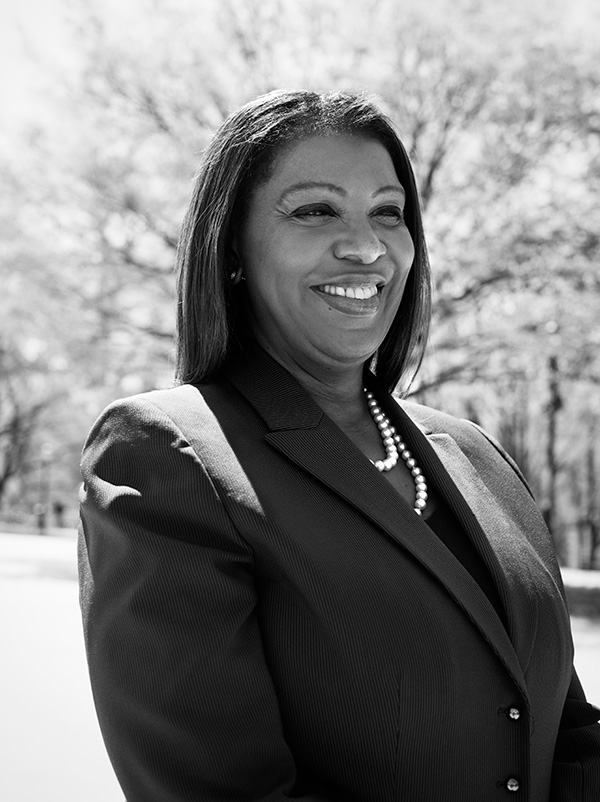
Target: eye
[
  {"x": 389, "y": 215},
  {"x": 313, "y": 213}
]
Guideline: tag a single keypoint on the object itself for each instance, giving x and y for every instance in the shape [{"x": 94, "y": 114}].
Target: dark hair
[{"x": 240, "y": 157}]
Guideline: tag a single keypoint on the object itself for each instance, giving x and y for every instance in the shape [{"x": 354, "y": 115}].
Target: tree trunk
[
  {"x": 552, "y": 408},
  {"x": 592, "y": 494}
]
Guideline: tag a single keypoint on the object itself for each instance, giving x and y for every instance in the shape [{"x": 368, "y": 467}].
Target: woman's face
[{"x": 326, "y": 253}]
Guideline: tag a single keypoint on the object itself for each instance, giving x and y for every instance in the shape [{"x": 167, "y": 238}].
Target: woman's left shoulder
[
  {"x": 470, "y": 436},
  {"x": 435, "y": 421}
]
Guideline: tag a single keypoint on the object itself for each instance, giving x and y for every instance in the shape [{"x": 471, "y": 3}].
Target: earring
[{"x": 236, "y": 276}]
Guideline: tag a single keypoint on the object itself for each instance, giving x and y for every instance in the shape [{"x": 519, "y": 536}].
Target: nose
[{"x": 359, "y": 243}]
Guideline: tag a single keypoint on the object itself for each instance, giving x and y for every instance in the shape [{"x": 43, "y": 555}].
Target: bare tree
[{"x": 19, "y": 416}]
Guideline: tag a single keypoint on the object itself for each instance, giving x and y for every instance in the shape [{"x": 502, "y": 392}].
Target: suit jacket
[{"x": 266, "y": 618}]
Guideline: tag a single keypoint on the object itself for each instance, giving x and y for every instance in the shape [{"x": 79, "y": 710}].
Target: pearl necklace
[{"x": 395, "y": 448}]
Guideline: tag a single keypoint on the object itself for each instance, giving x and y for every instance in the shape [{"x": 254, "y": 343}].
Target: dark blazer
[{"x": 266, "y": 618}]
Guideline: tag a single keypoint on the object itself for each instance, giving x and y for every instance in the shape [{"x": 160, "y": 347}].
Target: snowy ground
[{"x": 49, "y": 739}]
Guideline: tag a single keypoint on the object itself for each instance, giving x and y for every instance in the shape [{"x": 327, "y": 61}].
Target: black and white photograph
[{"x": 300, "y": 401}]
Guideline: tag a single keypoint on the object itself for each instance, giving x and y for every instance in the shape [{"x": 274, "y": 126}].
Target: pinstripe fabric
[{"x": 267, "y": 619}]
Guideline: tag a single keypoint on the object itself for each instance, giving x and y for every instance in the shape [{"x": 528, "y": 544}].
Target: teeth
[{"x": 362, "y": 293}]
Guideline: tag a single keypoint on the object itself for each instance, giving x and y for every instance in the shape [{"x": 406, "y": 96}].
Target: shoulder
[
  {"x": 475, "y": 441},
  {"x": 153, "y": 402},
  {"x": 148, "y": 424},
  {"x": 178, "y": 423},
  {"x": 155, "y": 436},
  {"x": 164, "y": 408},
  {"x": 432, "y": 419}
]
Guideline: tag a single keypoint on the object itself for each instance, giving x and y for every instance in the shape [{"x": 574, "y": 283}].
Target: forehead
[{"x": 337, "y": 159}]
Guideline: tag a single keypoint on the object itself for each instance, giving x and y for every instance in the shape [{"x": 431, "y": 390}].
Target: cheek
[
  {"x": 276, "y": 268},
  {"x": 406, "y": 248},
  {"x": 269, "y": 285},
  {"x": 252, "y": 255},
  {"x": 263, "y": 252},
  {"x": 403, "y": 276}
]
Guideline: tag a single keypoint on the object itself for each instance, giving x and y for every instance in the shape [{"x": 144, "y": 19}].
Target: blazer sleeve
[
  {"x": 576, "y": 767},
  {"x": 184, "y": 697}
]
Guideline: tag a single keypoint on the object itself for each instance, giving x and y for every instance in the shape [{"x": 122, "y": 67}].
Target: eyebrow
[
  {"x": 398, "y": 188},
  {"x": 390, "y": 188},
  {"x": 311, "y": 185}
]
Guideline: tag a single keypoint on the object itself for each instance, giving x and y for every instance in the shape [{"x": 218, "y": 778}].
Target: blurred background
[{"x": 105, "y": 107}]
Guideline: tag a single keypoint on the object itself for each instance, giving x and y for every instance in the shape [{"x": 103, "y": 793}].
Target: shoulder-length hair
[{"x": 240, "y": 157}]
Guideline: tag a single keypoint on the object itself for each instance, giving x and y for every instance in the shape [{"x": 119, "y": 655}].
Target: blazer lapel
[
  {"x": 300, "y": 430},
  {"x": 501, "y": 538},
  {"x": 492, "y": 532}
]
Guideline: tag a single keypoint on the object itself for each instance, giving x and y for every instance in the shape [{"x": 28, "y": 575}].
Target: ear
[
  {"x": 235, "y": 261},
  {"x": 236, "y": 276},
  {"x": 235, "y": 247}
]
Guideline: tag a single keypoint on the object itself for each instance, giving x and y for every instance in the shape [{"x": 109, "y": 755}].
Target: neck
[
  {"x": 342, "y": 399},
  {"x": 337, "y": 388}
]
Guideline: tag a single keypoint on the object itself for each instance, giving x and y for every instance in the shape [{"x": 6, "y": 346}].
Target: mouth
[
  {"x": 362, "y": 292},
  {"x": 355, "y": 299}
]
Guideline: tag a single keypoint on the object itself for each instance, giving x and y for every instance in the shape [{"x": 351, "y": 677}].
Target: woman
[{"x": 280, "y": 600}]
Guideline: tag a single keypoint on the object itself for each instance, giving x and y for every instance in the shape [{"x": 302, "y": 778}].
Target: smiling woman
[
  {"x": 243, "y": 160},
  {"x": 293, "y": 585},
  {"x": 326, "y": 255}
]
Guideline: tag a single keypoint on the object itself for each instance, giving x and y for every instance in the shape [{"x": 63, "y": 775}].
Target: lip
[
  {"x": 350, "y": 306},
  {"x": 359, "y": 279},
  {"x": 361, "y": 291}
]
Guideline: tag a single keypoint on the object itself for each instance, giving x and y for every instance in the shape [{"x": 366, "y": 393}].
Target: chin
[{"x": 352, "y": 355}]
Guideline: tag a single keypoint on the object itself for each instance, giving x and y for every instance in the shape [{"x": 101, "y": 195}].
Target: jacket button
[
  {"x": 512, "y": 784},
  {"x": 514, "y": 713}
]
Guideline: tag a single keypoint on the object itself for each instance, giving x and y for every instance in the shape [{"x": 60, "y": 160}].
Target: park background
[{"x": 105, "y": 107}]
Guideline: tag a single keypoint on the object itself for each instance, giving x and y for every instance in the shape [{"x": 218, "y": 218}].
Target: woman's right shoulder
[
  {"x": 148, "y": 414},
  {"x": 168, "y": 399},
  {"x": 169, "y": 402}
]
